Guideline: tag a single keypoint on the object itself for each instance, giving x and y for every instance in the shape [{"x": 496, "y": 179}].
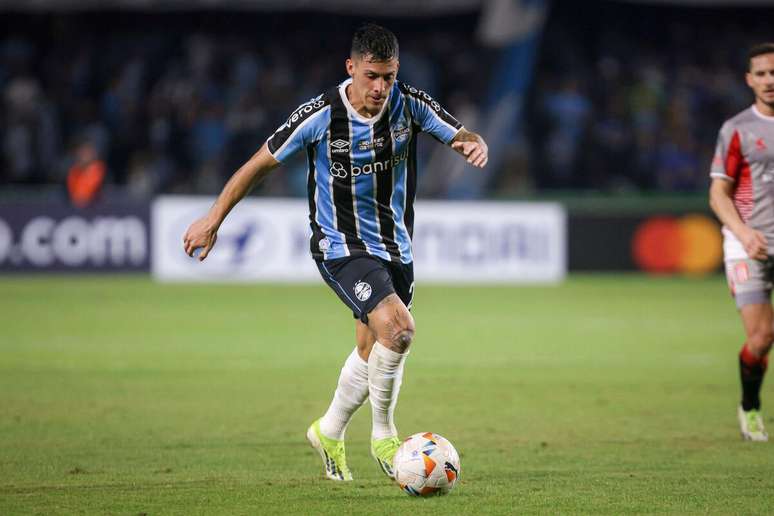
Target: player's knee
[
  {"x": 394, "y": 327},
  {"x": 406, "y": 329},
  {"x": 402, "y": 340},
  {"x": 760, "y": 341},
  {"x": 397, "y": 332}
]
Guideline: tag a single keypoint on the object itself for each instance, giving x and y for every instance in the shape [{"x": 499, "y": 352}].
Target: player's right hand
[
  {"x": 755, "y": 244},
  {"x": 200, "y": 235}
]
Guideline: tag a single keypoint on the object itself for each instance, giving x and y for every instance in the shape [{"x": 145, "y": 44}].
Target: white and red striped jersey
[{"x": 745, "y": 155}]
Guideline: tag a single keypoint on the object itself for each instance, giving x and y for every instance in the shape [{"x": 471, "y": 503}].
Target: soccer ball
[{"x": 426, "y": 464}]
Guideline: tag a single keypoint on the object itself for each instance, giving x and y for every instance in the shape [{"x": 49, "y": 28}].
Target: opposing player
[
  {"x": 360, "y": 141},
  {"x": 742, "y": 196}
]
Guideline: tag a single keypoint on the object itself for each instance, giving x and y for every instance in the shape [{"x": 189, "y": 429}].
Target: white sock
[
  {"x": 350, "y": 394},
  {"x": 385, "y": 374}
]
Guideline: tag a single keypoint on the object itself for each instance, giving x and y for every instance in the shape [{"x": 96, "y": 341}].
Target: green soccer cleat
[
  {"x": 751, "y": 425},
  {"x": 383, "y": 450},
  {"x": 331, "y": 451}
]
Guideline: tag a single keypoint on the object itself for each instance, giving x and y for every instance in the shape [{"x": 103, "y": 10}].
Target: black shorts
[{"x": 362, "y": 281}]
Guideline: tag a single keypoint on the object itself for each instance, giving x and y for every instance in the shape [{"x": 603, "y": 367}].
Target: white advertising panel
[
  {"x": 454, "y": 242},
  {"x": 489, "y": 242},
  {"x": 260, "y": 240}
]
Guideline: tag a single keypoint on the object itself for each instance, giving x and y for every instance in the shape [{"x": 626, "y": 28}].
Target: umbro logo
[
  {"x": 760, "y": 144},
  {"x": 339, "y": 146}
]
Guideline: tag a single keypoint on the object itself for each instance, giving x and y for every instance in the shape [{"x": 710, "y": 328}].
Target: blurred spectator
[
  {"x": 30, "y": 138},
  {"x": 85, "y": 176},
  {"x": 567, "y": 110}
]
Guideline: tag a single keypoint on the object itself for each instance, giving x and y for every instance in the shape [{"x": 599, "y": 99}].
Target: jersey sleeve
[
  {"x": 429, "y": 115},
  {"x": 305, "y": 126},
  {"x": 728, "y": 159}
]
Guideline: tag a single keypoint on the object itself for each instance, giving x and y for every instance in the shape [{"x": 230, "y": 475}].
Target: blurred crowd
[
  {"x": 177, "y": 106},
  {"x": 636, "y": 105},
  {"x": 171, "y": 103}
]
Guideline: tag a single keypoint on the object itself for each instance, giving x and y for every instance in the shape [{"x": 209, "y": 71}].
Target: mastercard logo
[{"x": 690, "y": 245}]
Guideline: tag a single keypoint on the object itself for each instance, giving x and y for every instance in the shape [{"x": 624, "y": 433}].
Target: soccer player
[
  {"x": 360, "y": 141},
  {"x": 742, "y": 196}
]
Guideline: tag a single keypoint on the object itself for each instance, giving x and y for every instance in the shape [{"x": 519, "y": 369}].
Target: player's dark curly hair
[
  {"x": 375, "y": 42},
  {"x": 759, "y": 50}
]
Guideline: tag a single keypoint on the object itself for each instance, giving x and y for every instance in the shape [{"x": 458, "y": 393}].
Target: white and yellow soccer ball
[{"x": 426, "y": 464}]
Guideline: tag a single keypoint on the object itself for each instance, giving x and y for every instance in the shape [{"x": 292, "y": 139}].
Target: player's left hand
[{"x": 476, "y": 153}]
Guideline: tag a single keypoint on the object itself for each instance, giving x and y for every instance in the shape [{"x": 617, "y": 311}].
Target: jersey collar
[
  {"x": 761, "y": 115},
  {"x": 353, "y": 113}
]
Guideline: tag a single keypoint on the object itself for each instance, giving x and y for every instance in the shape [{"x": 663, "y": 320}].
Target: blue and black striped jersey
[{"x": 362, "y": 171}]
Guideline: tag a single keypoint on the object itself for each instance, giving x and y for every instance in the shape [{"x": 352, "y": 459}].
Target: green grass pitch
[{"x": 605, "y": 395}]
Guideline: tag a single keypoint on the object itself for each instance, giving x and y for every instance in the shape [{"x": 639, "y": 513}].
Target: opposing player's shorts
[
  {"x": 362, "y": 281},
  {"x": 750, "y": 280}
]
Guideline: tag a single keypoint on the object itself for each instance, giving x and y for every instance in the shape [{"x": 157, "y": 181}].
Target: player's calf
[
  {"x": 752, "y": 369},
  {"x": 393, "y": 327}
]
